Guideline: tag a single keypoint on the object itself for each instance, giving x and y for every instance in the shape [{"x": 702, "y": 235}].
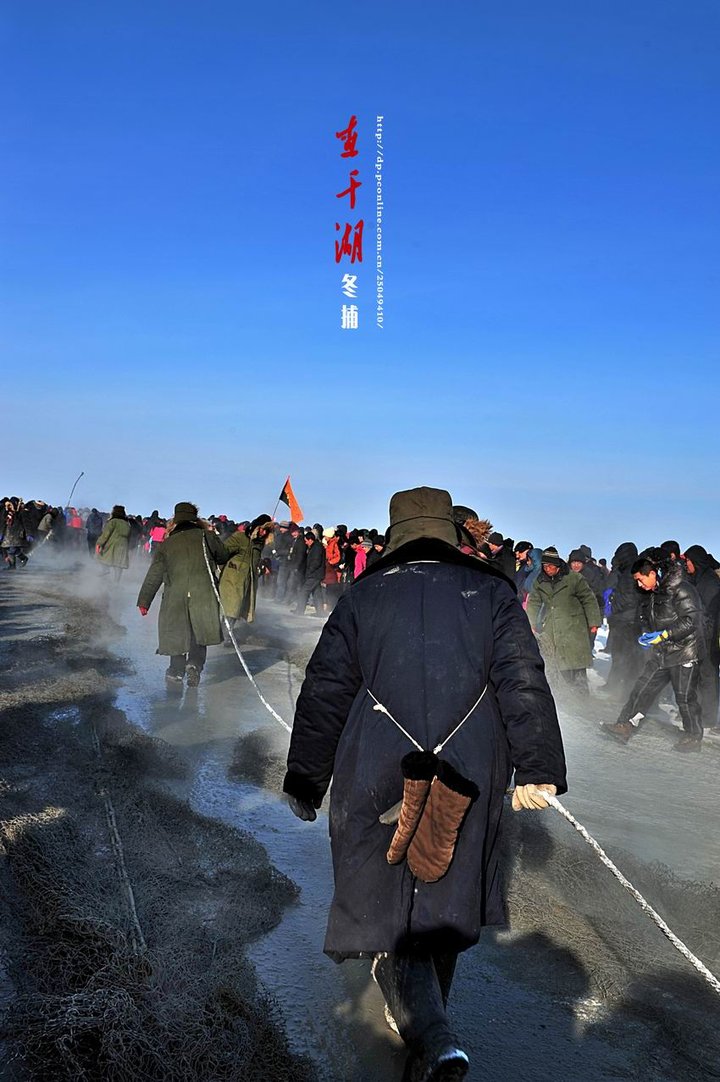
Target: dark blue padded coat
[{"x": 425, "y": 638}]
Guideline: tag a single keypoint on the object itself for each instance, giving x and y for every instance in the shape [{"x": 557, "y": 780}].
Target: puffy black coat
[
  {"x": 426, "y": 638},
  {"x": 315, "y": 562},
  {"x": 675, "y": 606},
  {"x": 707, "y": 584},
  {"x": 625, "y": 601},
  {"x": 297, "y": 556}
]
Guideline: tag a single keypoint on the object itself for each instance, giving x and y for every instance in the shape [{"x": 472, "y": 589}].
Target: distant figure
[
  {"x": 93, "y": 529},
  {"x": 113, "y": 543},
  {"x": 189, "y": 618}
]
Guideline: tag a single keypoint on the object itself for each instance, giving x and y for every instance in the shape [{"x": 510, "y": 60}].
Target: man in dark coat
[
  {"x": 583, "y": 564},
  {"x": 702, "y": 571},
  {"x": 314, "y": 575},
  {"x": 502, "y": 556},
  {"x": 93, "y": 529},
  {"x": 674, "y": 634},
  {"x": 189, "y": 619},
  {"x": 296, "y": 559},
  {"x": 429, "y": 649},
  {"x": 624, "y": 620}
]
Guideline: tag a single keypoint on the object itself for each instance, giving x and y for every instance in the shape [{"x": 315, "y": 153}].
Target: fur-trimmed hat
[{"x": 185, "y": 512}]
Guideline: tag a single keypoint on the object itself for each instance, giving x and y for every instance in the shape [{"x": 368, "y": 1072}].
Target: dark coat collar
[{"x": 430, "y": 548}]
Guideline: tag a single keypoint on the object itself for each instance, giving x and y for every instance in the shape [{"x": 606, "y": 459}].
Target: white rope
[
  {"x": 642, "y": 902},
  {"x": 233, "y": 640},
  {"x": 436, "y": 750}
]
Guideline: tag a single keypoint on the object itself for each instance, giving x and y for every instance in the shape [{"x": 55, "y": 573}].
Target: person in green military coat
[
  {"x": 564, "y": 614},
  {"x": 112, "y": 544},
  {"x": 239, "y": 579},
  {"x": 189, "y": 619}
]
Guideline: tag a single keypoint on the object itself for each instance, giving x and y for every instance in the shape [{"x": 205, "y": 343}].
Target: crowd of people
[
  {"x": 307, "y": 569},
  {"x": 421, "y": 622}
]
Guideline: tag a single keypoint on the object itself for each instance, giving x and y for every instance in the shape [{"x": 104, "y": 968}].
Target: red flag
[{"x": 287, "y": 496}]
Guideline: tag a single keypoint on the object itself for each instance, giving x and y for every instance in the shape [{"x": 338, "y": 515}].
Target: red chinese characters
[{"x": 349, "y": 243}]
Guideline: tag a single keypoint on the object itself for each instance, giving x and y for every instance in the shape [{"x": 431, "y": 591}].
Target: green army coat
[
  {"x": 113, "y": 542},
  {"x": 188, "y": 600},
  {"x": 238, "y": 584},
  {"x": 562, "y": 610}
]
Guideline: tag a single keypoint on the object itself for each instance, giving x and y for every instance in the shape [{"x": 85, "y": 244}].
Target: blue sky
[{"x": 171, "y": 301}]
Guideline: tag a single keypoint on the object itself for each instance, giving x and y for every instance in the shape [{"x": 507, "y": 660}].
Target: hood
[
  {"x": 702, "y": 560},
  {"x": 536, "y": 559},
  {"x": 625, "y": 556}
]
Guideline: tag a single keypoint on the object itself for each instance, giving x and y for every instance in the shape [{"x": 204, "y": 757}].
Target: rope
[
  {"x": 436, "y": 750},
  {"x": 233, "y": 640},
  {"x": 552, "y": 800},
  {"x": 137, "y": 939},
  {"x": 642, "y": 902}
]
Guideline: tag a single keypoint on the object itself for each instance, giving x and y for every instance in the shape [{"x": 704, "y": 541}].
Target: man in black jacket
[
  {"x": 675, "y": 636},
  {"x": 296, "y": 559},
  {"x": 314, "y": 574},
  {"x": 702, "y": 572},
  {"x": 624, "y": 620}
]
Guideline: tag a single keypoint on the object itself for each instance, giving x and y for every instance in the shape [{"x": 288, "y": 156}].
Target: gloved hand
[
  {"x": 652, "y": 638},
  {"x": 303, "y": 809},
  {"x": 530, "y": 796},
  {"x": 143, "y": 611}
]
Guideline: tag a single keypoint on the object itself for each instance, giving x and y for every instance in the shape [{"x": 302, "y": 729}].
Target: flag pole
[{"x": 278, "y": 503}]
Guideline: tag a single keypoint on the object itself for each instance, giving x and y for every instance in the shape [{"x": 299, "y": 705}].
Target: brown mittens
[
  {"x": 419, "y": 768},
  {"x": 432, "y": 845}
]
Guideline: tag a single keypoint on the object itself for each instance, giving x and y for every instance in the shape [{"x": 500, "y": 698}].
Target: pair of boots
[
  {"x": 436, "y": 799},
  {"x": 416, "y": 986}
]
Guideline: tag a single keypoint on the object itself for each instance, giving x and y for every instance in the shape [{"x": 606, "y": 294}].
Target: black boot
[{"x": 412, "y": 991}]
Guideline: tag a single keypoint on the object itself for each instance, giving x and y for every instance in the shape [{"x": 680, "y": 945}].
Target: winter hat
[
  {"x": 261, "y": 520},
  {"x": 552, "y": 556},
  {"x": 587, "y": 550},
  {"x": 496, "y": 539},
  {"x": 421, "y": 513},
  {"x": 670, "y": 548},
  {"x": 462, "y": 514},
  {"x": 699, "y": 557},
  {"x": 576, "y": 554},
  {"x": 522, "y": 546},
  {"x": 328, "y": 533},
  {"x": 185, "y": 512}
]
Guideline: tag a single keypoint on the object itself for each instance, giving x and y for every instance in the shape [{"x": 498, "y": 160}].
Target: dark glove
[
  {"x": 652, "y": 638},
  {"x": 303, "y": 809},
  {"x": 143, "y": 611}
]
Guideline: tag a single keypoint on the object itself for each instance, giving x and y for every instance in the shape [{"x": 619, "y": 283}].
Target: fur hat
[
  {"x": 421, "y": 512},
  {"x": 185, "y": 512}
]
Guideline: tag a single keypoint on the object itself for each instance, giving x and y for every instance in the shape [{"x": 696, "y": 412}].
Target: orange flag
[{"x": 287, "y": 496}]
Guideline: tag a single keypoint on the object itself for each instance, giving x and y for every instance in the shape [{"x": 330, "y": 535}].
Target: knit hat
[
  {"x": 185, "y": 512},
  {"x": 496, "y": 539},
  {"x": 579, "y": 555},
  {"x": 552, "y": 556},
  {"x": 328, "y": 532}
]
